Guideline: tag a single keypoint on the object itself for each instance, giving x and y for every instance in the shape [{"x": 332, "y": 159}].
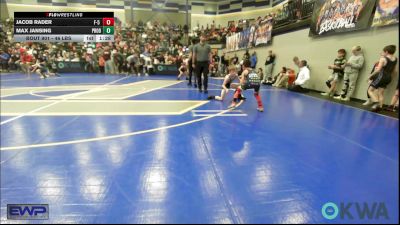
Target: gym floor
[{"x": 116, "y": 149}]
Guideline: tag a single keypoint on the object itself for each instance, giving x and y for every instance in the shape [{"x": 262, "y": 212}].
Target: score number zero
[
  {"x": 104, "y": 30},
  {"x": 108, "y": 26},
  {"x": 106, "y": 22}
]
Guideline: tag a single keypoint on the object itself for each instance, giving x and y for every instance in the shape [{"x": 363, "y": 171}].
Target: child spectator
[
  {"x": 383, "y": 72},
  {"x": 338, "y": 72},
  {"x": 351, "y": 70}
]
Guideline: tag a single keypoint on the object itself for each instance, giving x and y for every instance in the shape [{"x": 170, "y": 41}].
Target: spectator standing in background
[
  {"x": 246, "y": 56},
  {"x": 201, "y": 62},
  {"x": 4, "y": 58},
  {"x": 351, "y": 70},
  {"x": 224, "y": 63},
  {"x": 101, "y": 64},
  {"x": 13, "y": 62},
  {"x": 269, "y": 66},
  {"x": 216, "y": 59},
  {"x": 260, "y": 73},
  {"x": 234, "y": 60},
  {"x": 253, "y": 60},
  {"x": 108, "y": 69}
]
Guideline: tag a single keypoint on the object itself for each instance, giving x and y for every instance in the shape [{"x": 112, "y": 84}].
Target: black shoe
[
  {"x": 58, "y": 75},
  {"x": 205, "y": 91},
  {"x": 328, "y": 83},
  {"x": 211, "y": 97},
  {"x": 189, "y": 84},
  {"x": 195, "y": 86},
  {"x": 200, "y": 90}
]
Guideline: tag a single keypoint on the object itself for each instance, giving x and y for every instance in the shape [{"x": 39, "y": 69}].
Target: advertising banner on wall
[
  {"x": 250, "y": 37},
  {"x": 337, "y": 16},
  {"x": 386, "y": 13},
  {"x": 263, "y": 33}
]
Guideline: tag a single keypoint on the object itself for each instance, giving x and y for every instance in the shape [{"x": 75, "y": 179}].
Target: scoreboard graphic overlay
[{"x": 64, "y": 26}]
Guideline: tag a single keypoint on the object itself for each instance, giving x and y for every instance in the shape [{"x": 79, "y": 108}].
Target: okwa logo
[{"x": 351, "y": 210}]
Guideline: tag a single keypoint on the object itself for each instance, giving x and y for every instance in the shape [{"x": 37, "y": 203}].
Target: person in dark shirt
[
  {"x": 224, "y": 64},
  {"x": 4, "y": 58},
  {"x": 201, "y": 61},
  {"x": 235, "y": 59},
  {"x": 246, "y": 56},
  {"x": 337, "y": 74},
  {"x": 248, "y": 80},
  {"x": 382, "y": 76},
  {"x": 269, "y": 66}
]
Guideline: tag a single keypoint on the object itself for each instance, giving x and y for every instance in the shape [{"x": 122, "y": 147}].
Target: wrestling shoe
[{"x": 211, "y": 97}]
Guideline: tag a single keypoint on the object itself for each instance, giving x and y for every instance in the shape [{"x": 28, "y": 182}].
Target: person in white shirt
[{"x": 302, "y": 78}]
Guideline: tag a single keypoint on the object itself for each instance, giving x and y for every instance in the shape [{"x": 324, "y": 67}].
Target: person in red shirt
[{"x": 25, "y": 61}]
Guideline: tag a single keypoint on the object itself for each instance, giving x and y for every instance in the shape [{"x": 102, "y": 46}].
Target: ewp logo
[
  {"x": 28, "y": 212},
  {"x": 375, "y": 211}
]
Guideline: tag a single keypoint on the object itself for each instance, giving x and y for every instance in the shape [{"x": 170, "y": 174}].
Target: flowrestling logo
[{"x": 355, "y": 210}]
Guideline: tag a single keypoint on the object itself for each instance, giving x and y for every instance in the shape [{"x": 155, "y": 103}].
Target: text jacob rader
[{"x": 36, "y": 22}]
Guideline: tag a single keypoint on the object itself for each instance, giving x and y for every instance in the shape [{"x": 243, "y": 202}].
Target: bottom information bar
[{"x": 64, "y": 38}]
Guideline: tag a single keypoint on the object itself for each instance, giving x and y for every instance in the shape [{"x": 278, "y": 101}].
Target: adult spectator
[
  {"x": 201, "y": 60},
  {"x": 118, "y": 61},
  {"x": 13, "y": 62},
  {"x": 246, "y": 56},
  {"x": 253, "y": 60},
  {"x": 102, "y": 63},
  {"x": 351, "y": 70},
  {"x": 224, "y": 63},
  {"x": 216, "y": 58},
  {"x": 269, "y": 66},
  {"x": 297, "y": 61},
  {"x": 302, "y": 78},
  {"x": 109, "y": 68},
  {"x": 234, "y": 60},
  {"x": 4, "y": 58}
]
